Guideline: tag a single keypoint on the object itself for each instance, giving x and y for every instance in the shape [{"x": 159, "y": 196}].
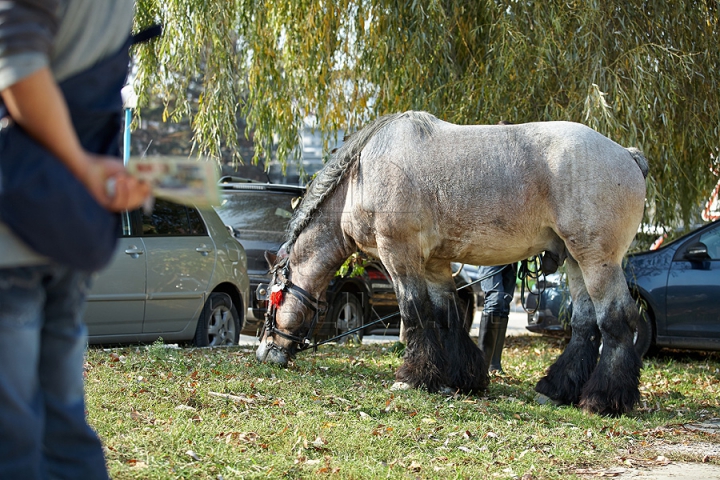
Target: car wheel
[
  {"x": 467, "y": 310},
  {"x": 347, "y": 314},
  {"x": 219, "y": 322},
  {"x": 643, "y": 338}
]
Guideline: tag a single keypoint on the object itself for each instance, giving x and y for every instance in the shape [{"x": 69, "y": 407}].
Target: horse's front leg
[
  {"x": 565, "y": 378},
  {"x": 424, "y": 362},
  {"x": 466, "y": 368}
]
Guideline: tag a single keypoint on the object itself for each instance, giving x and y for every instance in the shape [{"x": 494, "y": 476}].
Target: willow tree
[{"x": 645, "y": 73}]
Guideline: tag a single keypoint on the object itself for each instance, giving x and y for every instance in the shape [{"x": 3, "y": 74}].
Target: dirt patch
[
  {"x": 674, "y": 471},
  {"x": 663, "y": 459}
]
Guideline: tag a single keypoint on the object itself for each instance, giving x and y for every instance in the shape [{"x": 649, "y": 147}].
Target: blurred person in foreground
[{"x": 43, "y": 429}]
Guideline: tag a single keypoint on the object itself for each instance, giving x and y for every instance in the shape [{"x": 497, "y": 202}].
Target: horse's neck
[{"x": 319, "y": 250}]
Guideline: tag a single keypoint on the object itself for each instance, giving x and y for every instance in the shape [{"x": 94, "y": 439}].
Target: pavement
[{"x": 516, "y": 326}]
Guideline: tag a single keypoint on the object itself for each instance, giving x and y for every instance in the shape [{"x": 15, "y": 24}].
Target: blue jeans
[
  {"x": 43, "y": 430},
  {"x": 499, "y": 288}
]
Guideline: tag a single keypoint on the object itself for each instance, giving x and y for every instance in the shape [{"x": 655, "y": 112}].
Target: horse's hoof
[
  {"x": 594, "y": 404},
  {"x": 447, "y": 390},
  {"x": 545, "y": 400},
  {"x": 400, "y": 386}
]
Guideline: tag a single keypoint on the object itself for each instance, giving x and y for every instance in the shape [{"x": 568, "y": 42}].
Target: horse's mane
[{"x": 346, "y": 156}]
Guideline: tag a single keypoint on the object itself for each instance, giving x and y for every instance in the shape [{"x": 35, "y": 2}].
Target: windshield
[{"x": 257, "y": 211}]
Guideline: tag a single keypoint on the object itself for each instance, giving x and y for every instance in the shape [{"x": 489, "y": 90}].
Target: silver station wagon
[{"x": 178, "y": 274}]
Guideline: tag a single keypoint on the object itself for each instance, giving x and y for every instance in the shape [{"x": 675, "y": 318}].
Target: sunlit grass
[{"x": 165, "y": 412}]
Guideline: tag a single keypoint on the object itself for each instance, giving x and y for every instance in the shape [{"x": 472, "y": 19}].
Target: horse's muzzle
[{"x": 270, "y": 352}]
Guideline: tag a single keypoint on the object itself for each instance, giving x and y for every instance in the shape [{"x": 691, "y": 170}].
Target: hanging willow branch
[{"x": 645, "y": 74}]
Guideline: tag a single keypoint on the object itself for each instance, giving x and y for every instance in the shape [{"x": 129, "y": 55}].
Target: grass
[{"x": 166, "y": 412}]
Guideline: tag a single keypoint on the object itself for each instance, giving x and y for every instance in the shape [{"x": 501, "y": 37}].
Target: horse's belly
[{"x": 489, "y": 246}]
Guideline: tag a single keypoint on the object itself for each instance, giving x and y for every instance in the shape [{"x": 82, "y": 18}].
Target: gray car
[{"x": 178, "y": 274}]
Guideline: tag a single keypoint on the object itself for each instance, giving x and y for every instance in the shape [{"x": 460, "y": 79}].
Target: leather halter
[{"x": 309, "y": 301}]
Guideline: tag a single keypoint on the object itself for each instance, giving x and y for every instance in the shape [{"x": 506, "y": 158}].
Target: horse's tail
[{"x": 640, "y": 159}]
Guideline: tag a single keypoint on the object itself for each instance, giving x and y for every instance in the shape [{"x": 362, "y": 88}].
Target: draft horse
[{"x": 417, "y": 193}]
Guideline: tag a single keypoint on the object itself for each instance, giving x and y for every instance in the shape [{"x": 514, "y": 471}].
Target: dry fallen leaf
[
  {"x": 234, "y": 398},
  {"x": 193, "y": 455},
  {"x": 319, "y": 442},
  {"x": 185, "y": 407}
]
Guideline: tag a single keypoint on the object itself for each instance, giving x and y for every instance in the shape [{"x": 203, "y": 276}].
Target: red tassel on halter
[{"x": 276, "y": 295}]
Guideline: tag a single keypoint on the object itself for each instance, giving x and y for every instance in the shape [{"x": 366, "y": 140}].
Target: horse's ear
[{"x": 271, "y": 259}]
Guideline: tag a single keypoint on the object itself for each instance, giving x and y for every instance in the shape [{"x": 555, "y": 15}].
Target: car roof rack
[
  {"x": 227, "y": 185},
  {"x": 233, "y": 179}
]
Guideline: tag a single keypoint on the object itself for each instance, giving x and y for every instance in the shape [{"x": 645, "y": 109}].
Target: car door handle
[
  {"x": 203, "y": 250},
  {"x": 134, "y": 251}
]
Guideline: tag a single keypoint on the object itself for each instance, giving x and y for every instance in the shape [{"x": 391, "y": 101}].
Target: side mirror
[{"x": 697, "y": 252}]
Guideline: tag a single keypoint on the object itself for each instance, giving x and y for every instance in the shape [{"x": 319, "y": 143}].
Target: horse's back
[{"x": 558, "y": 146}]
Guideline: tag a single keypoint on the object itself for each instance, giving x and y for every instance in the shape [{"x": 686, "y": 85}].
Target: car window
[
  {"x": 256, "y": 211},
  {"x": 197, "y": 226},
  {"x": 172, "y": 219},
  {"x": 712, "y": 240}
]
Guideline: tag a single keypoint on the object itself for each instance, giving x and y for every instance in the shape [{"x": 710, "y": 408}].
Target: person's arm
[{"x": 37, "y": 105}]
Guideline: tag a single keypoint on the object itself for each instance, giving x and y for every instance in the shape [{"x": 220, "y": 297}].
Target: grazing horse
[{"x": 417, "y": 193}]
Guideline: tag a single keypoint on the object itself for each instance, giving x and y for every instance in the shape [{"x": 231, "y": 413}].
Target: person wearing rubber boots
[{"x": 498, "y": 284}]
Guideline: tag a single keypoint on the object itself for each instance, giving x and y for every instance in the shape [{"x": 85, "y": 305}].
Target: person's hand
[{"x": 127, "y": 192}]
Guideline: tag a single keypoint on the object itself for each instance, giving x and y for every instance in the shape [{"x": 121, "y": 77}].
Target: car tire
[
  {"x": 347, "y": 314},
  {"x": 643, "y": 334},
  {"x": 467, "y": 308},
  {"x": 219, "y": 322}
]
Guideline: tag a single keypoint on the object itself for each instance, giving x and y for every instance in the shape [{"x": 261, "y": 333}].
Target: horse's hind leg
[
  {"x": 565, "y": 378},
  {"x": 613, "y": 387}
]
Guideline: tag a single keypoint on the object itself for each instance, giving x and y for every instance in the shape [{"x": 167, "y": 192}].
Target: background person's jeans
[
  {"x": 43, "y": 431},
  {"x": 499, "y": 288}
]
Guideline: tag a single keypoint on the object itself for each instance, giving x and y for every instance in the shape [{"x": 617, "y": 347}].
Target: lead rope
[
  {"x": 387, "y": 317},
  {"x": 531, "y": 269}
]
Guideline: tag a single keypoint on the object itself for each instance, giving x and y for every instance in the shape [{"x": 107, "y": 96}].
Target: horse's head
[{"x": 291, "y": 317}]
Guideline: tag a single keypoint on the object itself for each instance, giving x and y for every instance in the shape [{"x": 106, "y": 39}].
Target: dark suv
[{"x": 259, "y": 213}]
